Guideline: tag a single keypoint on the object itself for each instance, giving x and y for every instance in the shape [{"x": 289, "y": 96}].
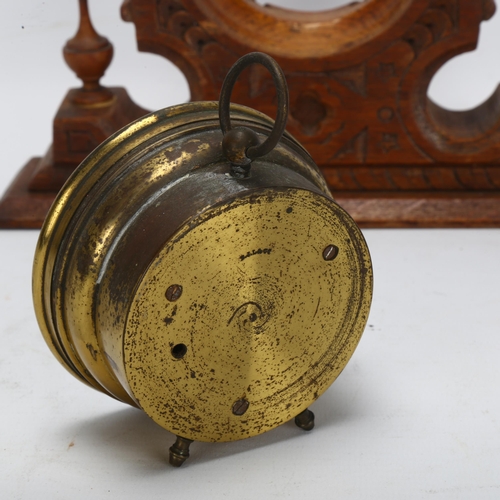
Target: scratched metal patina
[
  {"x": 264, "y": 322},
  {"x": 221, "y": 304}
]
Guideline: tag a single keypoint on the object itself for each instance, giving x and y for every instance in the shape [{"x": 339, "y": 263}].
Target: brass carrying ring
[{"x": 252, "y": 148}]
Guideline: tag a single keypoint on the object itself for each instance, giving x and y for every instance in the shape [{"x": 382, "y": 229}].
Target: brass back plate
[{"x": 240, "y": 322}]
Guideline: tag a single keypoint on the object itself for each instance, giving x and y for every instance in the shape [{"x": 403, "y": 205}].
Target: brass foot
[
  {"x": 305, "y": 420},
  {"x": 179, "y": 451}
]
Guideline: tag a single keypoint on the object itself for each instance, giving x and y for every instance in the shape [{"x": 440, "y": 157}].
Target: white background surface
[{"x": 416, "y": 413}]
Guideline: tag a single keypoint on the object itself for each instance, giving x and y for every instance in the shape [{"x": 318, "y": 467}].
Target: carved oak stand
[{"x": 358, "y": 79}]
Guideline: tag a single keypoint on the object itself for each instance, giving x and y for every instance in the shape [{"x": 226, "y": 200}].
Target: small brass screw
[
  {"x": 173, "y": 292},
  {"x": 330, "y": 252},
  {"x": 240, "y": 407}
]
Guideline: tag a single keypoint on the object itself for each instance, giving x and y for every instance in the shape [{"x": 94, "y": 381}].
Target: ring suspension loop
[{"x": 246, "y": 142}]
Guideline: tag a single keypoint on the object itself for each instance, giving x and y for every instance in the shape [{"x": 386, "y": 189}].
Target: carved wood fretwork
[{"x": 358, "y": 79}]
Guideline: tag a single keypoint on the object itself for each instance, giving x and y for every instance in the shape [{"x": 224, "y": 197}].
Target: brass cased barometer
[{"x": 196, "y": 266}]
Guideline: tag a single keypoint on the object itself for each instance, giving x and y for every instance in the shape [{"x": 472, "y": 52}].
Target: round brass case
[
  {"x": 218, "y": 305},
  {"x": 262, "y": 319}
]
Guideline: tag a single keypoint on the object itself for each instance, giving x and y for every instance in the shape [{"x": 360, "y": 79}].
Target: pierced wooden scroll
[{"x": 358, "y": 78}]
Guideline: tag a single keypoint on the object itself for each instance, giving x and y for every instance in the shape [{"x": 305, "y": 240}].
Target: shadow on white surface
[{"x": 129, "y": 436}]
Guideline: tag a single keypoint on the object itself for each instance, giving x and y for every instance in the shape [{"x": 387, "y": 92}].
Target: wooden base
[
  {"x": 423, "y": 209},
  {"x": 21, "y": 208},
  {"x": 78, "y": 130}
]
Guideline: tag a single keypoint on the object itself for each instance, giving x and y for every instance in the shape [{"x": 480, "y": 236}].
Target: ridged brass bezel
[{"x": 123, "y": 208}]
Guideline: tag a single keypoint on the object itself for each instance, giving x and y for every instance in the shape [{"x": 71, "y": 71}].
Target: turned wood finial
[{"x": 89, "y": 54}]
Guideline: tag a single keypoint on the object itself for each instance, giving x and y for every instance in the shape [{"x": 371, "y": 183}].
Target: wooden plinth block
[
  {"x": 21, "y": 208},
  {"x": 77, "y": 131}
]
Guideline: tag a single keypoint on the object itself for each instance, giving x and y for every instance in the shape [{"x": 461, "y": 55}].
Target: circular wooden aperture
[{"x": 302, "y": 35}]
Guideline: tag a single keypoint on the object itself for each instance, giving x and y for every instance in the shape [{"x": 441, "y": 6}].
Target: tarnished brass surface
[
  {"x": 262, "y": 316},
  {"x": 220, "y": 304},
  {"x": 124, "y": 202}
]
